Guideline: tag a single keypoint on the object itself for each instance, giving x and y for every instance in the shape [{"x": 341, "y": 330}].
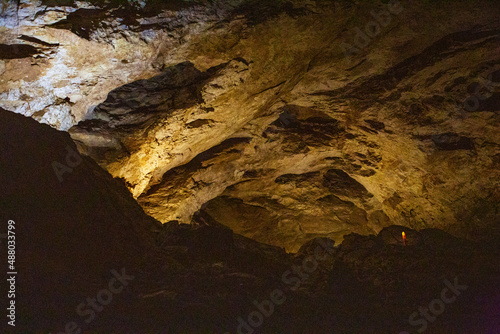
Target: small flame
[{"x": 404, "y": 238}]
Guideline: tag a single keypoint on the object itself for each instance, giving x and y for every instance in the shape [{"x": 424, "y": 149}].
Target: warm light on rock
[{"x": 249, "y": 166}]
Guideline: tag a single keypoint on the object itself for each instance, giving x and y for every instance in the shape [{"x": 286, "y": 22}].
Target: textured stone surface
[
  {"x": 202, "y": 277},
  {"x": 252, "y": 110}
]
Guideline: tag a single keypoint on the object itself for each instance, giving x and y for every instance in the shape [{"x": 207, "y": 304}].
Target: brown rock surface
[
  {"x": 251, "y": 110},
  {"x": 202, "y": 277}
]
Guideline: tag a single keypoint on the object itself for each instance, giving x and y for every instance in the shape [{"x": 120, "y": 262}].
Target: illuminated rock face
[
  {"x": 83, "y": 234},
  {"x": 260, "y": 115}
]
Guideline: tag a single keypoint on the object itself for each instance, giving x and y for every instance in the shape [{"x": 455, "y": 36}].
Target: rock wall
[{"x": 88, "y": 259}]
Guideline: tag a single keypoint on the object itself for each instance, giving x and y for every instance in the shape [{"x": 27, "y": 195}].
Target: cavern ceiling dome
[{"x": 209, "y": 148}]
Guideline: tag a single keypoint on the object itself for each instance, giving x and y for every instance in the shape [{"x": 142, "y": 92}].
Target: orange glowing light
[{"x": 404, "y": 237}]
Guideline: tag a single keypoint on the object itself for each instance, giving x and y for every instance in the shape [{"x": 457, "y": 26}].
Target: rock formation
[
  {"x": 258, "y": 112},
  {"x": 88, "y": 259},
  {"x": 287, "y": 122}
]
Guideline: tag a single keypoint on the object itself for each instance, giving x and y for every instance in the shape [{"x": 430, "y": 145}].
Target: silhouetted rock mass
[{"x": 76, "y": 236}]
